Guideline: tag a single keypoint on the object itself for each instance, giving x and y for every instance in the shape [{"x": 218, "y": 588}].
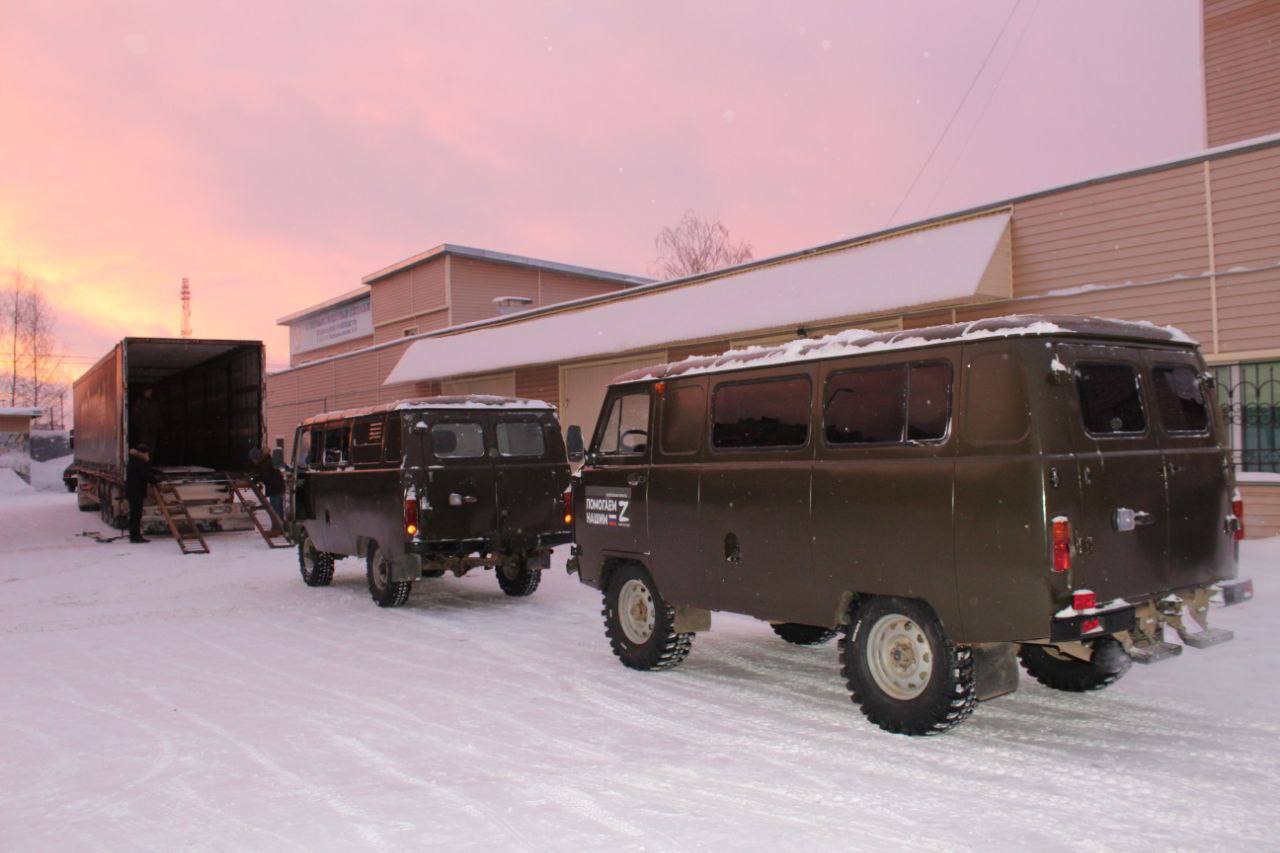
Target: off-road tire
[
  {"x": 1072, "y": 675},
  {"x": 803, "y": 635},
  {"x": 316, "y": 567},
  {"x": 664, "y": 648},
  {"x": 523, "y": 581},
  {"x": 70, "y": 485},
  {"x": 384, "y": 591},
  {"x": 949, "y": 695}
]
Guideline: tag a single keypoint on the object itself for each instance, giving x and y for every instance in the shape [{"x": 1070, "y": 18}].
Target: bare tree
[
  {"x": 36, "y": 332},
  {"x": 28, "y": 345},
  {"x": 696, "y": 245},
  {"x": 11, "y": 312}
]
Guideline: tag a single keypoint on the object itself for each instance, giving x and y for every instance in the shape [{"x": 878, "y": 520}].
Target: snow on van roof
[
  {"x": 486, "y": 402},
  {"x": 861, "y": 341}
]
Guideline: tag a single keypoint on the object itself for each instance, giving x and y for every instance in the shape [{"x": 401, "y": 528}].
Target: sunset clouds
[{"x": 275, "y": 153}]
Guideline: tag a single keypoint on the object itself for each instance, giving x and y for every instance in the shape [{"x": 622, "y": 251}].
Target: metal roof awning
[{"x": 951, "y": 263}]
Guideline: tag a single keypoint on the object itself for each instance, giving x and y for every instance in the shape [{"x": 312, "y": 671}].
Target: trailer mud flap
[{"x": 995, "y": 669}]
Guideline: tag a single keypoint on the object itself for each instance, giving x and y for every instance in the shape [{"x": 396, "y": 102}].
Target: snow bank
[
  {"x": 12, "y": 484},
  {"x": 47, "y": 476},
  {"x": 944, "y": 263}
]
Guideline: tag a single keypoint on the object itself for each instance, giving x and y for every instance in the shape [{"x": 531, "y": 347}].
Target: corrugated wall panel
[
  {"x": 475, "y": 284},
  {"x": 1261, "y": 509},
  {"x": 392, "y": 297},
  {"x": 1241, "y": 69},
  {"x": 539, "y": 383},
  {"x": 1249, "y": 311},
  {"x": 557, "y": 287},
  {"x": 1246, "y": 209},
  {"x": 325, "y": 352},
  {"x": 428, "y": 322},
  {"x": 428, "y": 286},
  {"x": 356, "y": 379},
  {"x": 1140, "y": 228}
]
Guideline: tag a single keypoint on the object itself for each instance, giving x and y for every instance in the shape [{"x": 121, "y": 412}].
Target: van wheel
[
  {"x": 1054, "y": 669},
  {"x": 640, "y": 624},
  {"x": 902, "y": 670},
  {"x": 518, "y": 579},
  {"x": 316, "y": 566},
  {"x": 802, "y": 635},
  {"x": 385, "y": 592}
]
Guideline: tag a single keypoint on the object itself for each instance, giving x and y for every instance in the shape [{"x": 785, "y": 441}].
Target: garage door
[
  {"x": 500, "y": 384},
  {"x": 582, "y": 388}
]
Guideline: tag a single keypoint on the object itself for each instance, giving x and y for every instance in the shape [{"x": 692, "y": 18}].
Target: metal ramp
[
  {"x": 274, "y": 535},
  {"x": 175, "y": 514}
]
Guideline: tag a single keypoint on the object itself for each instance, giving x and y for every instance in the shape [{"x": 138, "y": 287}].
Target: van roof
[
  {"x": 859, "y": 341},
  {"x": 485, "y": 402}
]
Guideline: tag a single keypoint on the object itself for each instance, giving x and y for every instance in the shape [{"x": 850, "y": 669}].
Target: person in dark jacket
[
  {"x": 144, "y": 417},
  {"x": 138, "y": 476},
  {"x": 266, "y": 473}
]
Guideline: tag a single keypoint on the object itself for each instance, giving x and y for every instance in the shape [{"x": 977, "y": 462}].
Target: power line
[{"x": 956, "y": 112}]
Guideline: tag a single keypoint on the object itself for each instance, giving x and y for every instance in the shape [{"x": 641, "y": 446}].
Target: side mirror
[{"x": 573, "y": 444}]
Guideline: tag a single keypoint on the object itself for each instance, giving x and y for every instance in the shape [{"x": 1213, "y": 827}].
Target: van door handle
[
  {"x": 1143, "y": 519},
  {"x": 635, "y": 479}
]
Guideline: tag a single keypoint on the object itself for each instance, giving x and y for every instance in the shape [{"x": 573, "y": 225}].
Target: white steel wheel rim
[
  {"x": 380, "y": 573},
  {"x": 636, "y": 611},
  {"x": 899, "y": 656},
  {"x": 308, "y": 555}
]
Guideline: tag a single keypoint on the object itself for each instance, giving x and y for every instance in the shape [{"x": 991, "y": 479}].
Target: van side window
[
  {"x": 302, "y": 449},
  {"x": 997, "y": 410},
  {"x": 928, "y": 402},
  {"x": 391, "y": 440},
  {"x": 626, "y": 430},
  {"x": 457, "y": 440},
  {"x": 336, "y": 446},
  {"x": 1181, "y": 402},
  {"x": 366, "y": 441},
  {"x": 765, "y": 413},
  {"x": 1110, "y": 398},
  {"x": 682, "y": 416},
  {"x": 315, "y": 448},
  {"x": 520, "y": 438},
  {"x": 866, "y": 406}
]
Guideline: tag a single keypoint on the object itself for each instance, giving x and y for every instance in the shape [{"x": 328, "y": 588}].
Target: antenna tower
[{"x": 186, "y": 308}]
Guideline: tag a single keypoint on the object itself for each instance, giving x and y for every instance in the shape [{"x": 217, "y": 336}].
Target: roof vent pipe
[{"x": 511, "y": 304}]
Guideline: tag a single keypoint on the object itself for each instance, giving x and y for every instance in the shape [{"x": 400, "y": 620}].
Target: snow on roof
[
  {"x": 20, "y": 411},
  {"x": 939, "y": 264},
  {"x": 485, "y": 402},
  {"x": 861, "y": 341}
]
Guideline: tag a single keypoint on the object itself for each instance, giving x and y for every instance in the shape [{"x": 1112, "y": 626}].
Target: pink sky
[{"x": 276, "y": 155}]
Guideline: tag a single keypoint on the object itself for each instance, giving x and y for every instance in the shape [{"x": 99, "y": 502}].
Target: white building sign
[{"x": 353, "y": 320}]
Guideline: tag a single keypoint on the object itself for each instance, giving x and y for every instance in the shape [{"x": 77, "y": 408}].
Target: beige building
[{"x": 1193, "y": 243}]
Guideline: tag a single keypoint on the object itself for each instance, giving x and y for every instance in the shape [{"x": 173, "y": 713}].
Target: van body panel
[
  {"x": 461, "y": 489},
  {"x": 529, "y": 487}
]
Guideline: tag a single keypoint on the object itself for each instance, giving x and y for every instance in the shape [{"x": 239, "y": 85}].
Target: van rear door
[
  {"x": 460, "y": 483},
  {"x": 1195, "y": 471},
  {"x": 531, "y": 474},
  {"x": 1122, "y": 529}
]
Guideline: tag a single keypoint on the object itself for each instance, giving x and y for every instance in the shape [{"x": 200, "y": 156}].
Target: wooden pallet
[
  {"x": 273, "y": 535},
  {"x": 181, "y": 524}
]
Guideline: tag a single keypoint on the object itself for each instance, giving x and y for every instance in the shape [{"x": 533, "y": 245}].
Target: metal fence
[{"x": 1249, "y": 396}]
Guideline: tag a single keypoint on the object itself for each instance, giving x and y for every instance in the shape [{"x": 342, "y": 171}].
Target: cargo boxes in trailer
[{"x": 198, "y": 403}]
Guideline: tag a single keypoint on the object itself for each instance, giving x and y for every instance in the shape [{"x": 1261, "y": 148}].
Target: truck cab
[{"x": 424, "y": 487}]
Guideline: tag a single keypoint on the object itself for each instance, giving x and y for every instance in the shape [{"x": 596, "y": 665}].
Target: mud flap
[
  {"x": 691, "y": 620},
  {"x": 406, "y": 568},
  {"x": 995, "y": 669}
]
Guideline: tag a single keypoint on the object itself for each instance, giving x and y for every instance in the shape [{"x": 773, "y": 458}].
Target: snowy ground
[{"x": 151, "y": 700}]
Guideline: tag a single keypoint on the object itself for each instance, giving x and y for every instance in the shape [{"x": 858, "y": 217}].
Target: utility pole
[{"x": 186, "y": 308}]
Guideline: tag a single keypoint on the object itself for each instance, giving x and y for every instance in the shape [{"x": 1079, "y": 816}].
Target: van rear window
[
  {"x": 1181, "y": 402},
  {"x": 457, "y": 440},
  {"x": 1110, "y": 398},
  {"x": 520, "y": 438},
  {"x": 767, "y": 413}
]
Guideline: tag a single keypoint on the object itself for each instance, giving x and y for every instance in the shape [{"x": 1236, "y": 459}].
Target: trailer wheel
[
  {"x": 315, "y": 566},
  {"x": 85, "y": 502},
  {"x": 384, "y": 591},
  {"x": 640, "y": 624},
  {"x": 903, "y": 672},
  {"x": 802, "y": 635},
  {"x": 1054, "y": 669},
  {"x": 518, "y": 579}
]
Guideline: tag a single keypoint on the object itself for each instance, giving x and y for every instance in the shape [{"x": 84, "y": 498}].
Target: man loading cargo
[
  {"x": 138, "y": 475},
  {"x": 144, "y": 417},
  {"x": 266, "y": 473}
]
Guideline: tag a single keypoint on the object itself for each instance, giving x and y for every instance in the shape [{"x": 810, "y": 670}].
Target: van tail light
[
  {"x": 411, "y": 516},
  {"x": 566, "y": 505},
  {"x": 1084, "y": 599},
  {"x": 1061, "y": 544},
  {"x": 1237, "y": 509}
]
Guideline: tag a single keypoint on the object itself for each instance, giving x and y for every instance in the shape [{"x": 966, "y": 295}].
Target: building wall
[
  {"x": 474, "y": 284},
  {"x": 324, "y": 352},
  {"x": 1241, "y": 69}
]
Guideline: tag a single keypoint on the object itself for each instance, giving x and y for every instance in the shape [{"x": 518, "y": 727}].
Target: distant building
[
  {"x": 15, "y": 439},
  {"x": 1193, "y": 243}
]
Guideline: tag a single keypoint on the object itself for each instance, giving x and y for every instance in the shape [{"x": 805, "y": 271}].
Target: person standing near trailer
[
  {"x": 144, "y": 415},
  {"x": 138, "y": 475},
  {"x": 266, "y": 473}
]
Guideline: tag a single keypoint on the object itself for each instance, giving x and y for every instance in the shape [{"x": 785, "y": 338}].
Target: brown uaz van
[
  {"x": 1053, "y": 489},
  {"x": 419, "y": 488}
]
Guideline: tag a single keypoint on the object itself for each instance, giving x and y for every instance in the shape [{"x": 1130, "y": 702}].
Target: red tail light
[
  {"x": 1084, "y": 599},
  {"x": 1237, "y": 509},
  {"x": 1061, "y": 544},
  {"x": 411, "y": 516},
  {"x": 566, "y": 505}
]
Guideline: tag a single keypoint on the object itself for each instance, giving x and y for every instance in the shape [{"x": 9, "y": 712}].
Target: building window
[
  {"x": 410, "y": 331},
  {"x": 1249, "y": 397}
]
